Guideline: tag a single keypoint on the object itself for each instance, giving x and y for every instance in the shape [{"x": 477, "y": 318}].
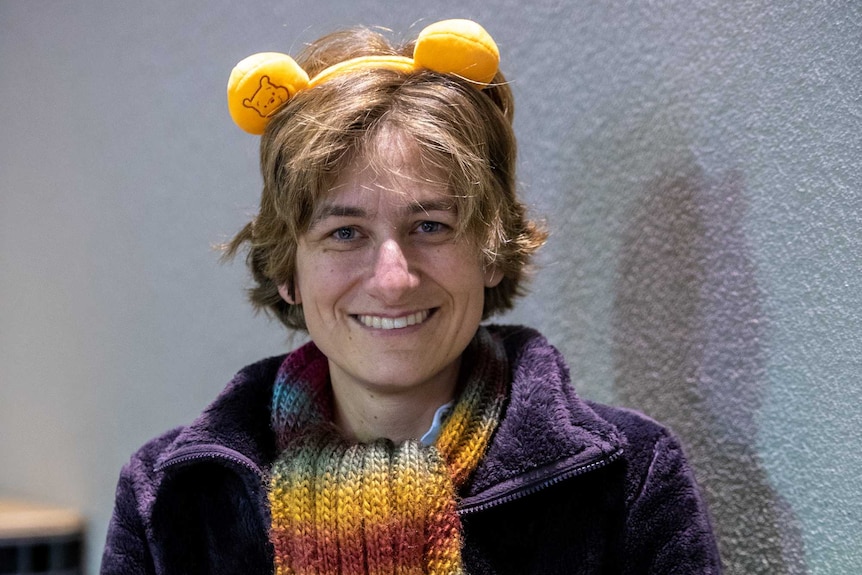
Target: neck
[{"x": 365, "y": 412}]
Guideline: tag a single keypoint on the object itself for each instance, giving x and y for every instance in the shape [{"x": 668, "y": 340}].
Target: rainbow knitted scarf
[{"x": 374, "y": 508}]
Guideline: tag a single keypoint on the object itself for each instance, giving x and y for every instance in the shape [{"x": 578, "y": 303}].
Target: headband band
[{"x": 262, "y": 83}]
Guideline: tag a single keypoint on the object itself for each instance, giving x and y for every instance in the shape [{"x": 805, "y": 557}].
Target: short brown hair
[{"x": 460, "y": 131}]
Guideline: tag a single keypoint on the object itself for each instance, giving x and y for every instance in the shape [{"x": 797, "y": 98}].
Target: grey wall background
[{"x": 697, "y": 162}]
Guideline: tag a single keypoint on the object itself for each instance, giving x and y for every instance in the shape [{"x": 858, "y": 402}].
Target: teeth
[{"x": 378, "y": 322}]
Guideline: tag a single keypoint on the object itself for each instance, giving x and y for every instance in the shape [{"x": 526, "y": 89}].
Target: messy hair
[{"x": 459, "y": 130}]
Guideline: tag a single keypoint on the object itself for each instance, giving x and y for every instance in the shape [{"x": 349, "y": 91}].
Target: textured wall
[{"x": 697, "y": 164}]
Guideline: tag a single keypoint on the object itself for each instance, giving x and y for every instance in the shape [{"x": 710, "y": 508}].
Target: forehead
[{"x": 392, "y": 167}]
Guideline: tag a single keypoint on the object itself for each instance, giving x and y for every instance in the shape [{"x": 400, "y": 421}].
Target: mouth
[{"x": 380, "y": 322}]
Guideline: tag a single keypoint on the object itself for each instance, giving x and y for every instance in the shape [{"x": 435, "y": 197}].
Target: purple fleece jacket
[{"x": 567, "y": 486}]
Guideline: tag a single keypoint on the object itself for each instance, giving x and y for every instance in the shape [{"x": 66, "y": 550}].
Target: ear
[
  {"x": 493, "y": 276},
  {"x": 284, "y": 292}
]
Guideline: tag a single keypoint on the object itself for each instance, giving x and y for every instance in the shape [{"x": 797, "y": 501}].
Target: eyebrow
[
  {"x": 417, "y": 207},
  {"x": 446, "y": 205}
]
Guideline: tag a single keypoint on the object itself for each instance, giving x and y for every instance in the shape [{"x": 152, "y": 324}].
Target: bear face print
[{"x": 267, "y": 98}]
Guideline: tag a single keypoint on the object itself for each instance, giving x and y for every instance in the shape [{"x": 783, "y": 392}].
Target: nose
[{"x": 392, "y": 277}]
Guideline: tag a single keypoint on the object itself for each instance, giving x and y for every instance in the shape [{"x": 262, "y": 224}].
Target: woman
[{"x": 405, "y": 438}]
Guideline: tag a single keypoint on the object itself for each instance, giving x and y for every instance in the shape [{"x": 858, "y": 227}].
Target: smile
[{"x": 378, "y": 322}]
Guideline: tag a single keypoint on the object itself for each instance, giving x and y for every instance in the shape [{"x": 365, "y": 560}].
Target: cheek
[
  {"x": 464, "y": 267},
  {"x": 323, "y": 279},
  {"x": 465, "y": 279}
]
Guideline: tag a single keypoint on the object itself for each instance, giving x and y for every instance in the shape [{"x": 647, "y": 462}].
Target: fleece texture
[{"x": 565, "y": 486}]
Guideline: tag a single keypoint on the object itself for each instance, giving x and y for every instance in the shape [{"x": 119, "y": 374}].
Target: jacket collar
[
  {"x": 546, "y": 431},
  {"x": 235, "y": 427}
]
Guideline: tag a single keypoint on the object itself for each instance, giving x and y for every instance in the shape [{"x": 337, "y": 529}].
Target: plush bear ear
[
  {"x": 460, "y": 47},
  {"x": 259, "y": 85}
]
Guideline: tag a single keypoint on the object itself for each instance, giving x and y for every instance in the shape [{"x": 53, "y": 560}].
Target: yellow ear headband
[{"x": 260, "y": 84}]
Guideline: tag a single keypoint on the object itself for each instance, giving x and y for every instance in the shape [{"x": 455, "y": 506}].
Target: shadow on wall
[{"x": 688, "y": 334}]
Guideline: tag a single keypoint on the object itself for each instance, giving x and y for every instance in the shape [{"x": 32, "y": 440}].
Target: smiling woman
[
  {"x": 390, "y": 293},
  {"x": 406, "y": 437}
]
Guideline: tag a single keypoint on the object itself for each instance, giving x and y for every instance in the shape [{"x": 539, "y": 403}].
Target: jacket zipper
[
  {"x": 542, "y": 484},
  {"x": 203, "y": 453},
  {"x": 206, "y": 453}
]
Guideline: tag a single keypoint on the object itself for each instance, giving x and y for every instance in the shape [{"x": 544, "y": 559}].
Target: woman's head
[{"x": 462, "y": 135}]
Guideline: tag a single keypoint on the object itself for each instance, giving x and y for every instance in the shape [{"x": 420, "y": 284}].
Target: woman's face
[{"x": 389, "y": 294}]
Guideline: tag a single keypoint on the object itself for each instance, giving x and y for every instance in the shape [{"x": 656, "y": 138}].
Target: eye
[
  {"x": 430, "y": 227},
  {"x": 344, "y": 234}
]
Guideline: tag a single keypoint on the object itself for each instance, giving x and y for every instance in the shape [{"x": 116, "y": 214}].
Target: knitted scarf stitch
[{"x": 374, "y": 508}]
